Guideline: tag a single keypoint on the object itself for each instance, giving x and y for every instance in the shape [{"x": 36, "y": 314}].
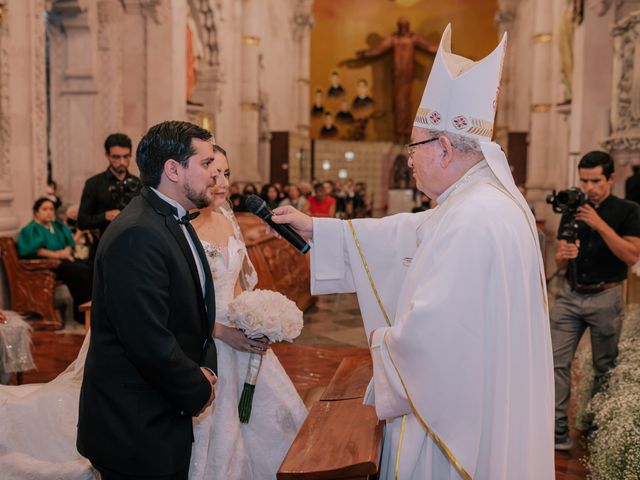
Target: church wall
[
  {"x": 166, "y": 64},
  {"x": 593, "y": 54},
  {"x": 260, "y": 71},
  {"x": 112, "y": 70},
  {"x": 228, "y": 127},
  {"x": 74, "y": 95},
  {"x": 345, "y": 26},
  {"x": 371, "y": 163},
  {"x": 278, "y": 53}
]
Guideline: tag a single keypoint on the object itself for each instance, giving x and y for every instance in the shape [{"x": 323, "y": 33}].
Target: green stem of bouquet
[{"x": 246, "y": 400}]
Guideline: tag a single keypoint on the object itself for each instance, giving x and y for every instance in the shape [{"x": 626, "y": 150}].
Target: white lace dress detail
[{"x": 38, "y": 421}]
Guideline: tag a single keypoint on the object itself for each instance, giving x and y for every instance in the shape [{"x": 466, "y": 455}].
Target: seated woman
[
  {"x": 296, "y": 199},
  {"x": 45, "y": 237},
  {"x": 271, "y": 195}
]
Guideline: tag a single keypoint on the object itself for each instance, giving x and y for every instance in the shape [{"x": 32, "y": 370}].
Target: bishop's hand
[{"x": 301, "y": 223}]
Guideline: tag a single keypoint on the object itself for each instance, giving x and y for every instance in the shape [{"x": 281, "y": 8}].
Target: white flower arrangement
[
  {"x": 266, "y": 313},
  {"x": 584, "y": 374},
  {"x": 261, "y": 313},
  {"x": 614, "y": 447}
]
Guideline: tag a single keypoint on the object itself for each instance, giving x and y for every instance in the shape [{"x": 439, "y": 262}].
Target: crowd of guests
[{"x": 339, "y": 199}]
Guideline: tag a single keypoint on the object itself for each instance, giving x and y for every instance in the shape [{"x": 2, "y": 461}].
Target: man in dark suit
[{"x": 151, "y": 362}]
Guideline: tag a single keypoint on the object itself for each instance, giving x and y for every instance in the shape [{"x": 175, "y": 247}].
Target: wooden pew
[
  {"x": 31, "y": 287},
  {"x": 280, "y": 267},
  {"x": 341, "y": 438}
]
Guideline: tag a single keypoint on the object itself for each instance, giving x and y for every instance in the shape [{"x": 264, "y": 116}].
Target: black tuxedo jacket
[{"x": 142, "y": 379}]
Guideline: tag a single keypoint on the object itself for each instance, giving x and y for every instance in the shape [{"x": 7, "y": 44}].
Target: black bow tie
[{"x": 186, "y": 218}]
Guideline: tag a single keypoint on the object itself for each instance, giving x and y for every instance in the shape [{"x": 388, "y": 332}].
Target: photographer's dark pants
[
  {"x": 78, "y": 277},
  {"x": 570, "y": 316}
]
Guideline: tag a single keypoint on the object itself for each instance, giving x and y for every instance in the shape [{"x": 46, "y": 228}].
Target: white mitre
[{"x": 461, "y": 95}]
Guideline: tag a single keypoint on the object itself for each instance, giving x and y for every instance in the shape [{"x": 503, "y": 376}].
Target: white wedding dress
[{"x": 38, "y": 421}]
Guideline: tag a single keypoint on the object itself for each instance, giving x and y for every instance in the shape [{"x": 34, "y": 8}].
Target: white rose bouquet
[{"x": 262, "y": 313}]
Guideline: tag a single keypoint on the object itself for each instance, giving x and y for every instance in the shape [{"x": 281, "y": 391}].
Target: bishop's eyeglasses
[{"x": 410, "y": 148}]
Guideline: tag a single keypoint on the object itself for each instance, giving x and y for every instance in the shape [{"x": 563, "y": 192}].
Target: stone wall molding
[
  {"x": 625, "y": 99},
  {"x": 601, "y": 7},
  {"x": 146, "y": 8}
]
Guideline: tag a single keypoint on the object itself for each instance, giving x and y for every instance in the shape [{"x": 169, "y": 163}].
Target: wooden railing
[{"x": 280, "y": 267}]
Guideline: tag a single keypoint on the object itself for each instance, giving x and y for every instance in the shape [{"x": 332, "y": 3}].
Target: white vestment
[{"x": 467, "y": 357}]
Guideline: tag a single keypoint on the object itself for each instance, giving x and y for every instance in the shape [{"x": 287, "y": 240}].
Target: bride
[{"x": 38, "y": 421}]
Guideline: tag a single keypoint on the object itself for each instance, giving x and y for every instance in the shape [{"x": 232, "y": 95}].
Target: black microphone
[{"x": 258, "y": 207}]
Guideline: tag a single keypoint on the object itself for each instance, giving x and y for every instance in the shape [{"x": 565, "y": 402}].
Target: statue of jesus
[{"x": 403, "y": 43}]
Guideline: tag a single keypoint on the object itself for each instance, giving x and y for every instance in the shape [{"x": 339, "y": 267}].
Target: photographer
[
  {"x": 106, "y": 194},
  {"x": 608, "y": 241}
]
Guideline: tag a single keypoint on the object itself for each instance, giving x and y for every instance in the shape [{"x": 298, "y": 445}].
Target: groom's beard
[{"x": 199, "y": 199}]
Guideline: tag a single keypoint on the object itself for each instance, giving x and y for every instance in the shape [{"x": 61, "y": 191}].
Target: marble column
[
  {"x": 548, "y": 130},
  {"x": 249, "y": 93},
  {"x": 166, "y": 86},
  {"x": 8, "y": 218},
  {"x": 592, "y": 66},
  {"x": 302, "y": 24},
  {"x": 154, "y": 79},
  {"x": 23, "y": 102},
  {"x": 542, "y": 102},
  {"x": 23, "y": 134}
]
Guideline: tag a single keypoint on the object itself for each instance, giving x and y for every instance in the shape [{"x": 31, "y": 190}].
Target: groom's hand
[
  {"x": 212, "y": 379},
  {"x": 301, "y": 223}
]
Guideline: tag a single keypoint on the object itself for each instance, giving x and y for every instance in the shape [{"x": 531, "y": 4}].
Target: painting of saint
[
  {"x": 335, "y": 89},
  {"x": 344, "y": 115},
  {"x": 318, "y": 105},
  {"x": 328, "y": 130},
  {"x": 363, "y": 99}
]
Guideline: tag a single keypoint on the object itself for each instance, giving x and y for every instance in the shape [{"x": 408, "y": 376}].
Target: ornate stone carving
[
  {"x": 206, "y": 20},
  {"x": 302, "y": 20},
  {"x": 150, "y": 8},
  {"x": 601, "y": 7},
  {"x": 39, "y": 113},
  {"x": 5, "y": 104},
  {"x": 210, "y": 73},
  {"x": 625, "y": 108},
  {"x": 505, "y": 18}
]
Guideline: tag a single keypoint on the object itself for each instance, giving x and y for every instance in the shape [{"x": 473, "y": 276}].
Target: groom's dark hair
[{"x": 167, "y": 141}]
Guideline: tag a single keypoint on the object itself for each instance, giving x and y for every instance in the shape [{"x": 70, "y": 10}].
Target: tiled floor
[{"x": 333, "y": 330}]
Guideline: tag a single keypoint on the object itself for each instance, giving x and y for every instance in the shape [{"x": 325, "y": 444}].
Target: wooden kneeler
[{"x": 341, "y": 438}]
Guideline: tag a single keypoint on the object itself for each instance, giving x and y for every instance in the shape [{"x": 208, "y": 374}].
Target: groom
[{"x": 151, "y": 362}]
